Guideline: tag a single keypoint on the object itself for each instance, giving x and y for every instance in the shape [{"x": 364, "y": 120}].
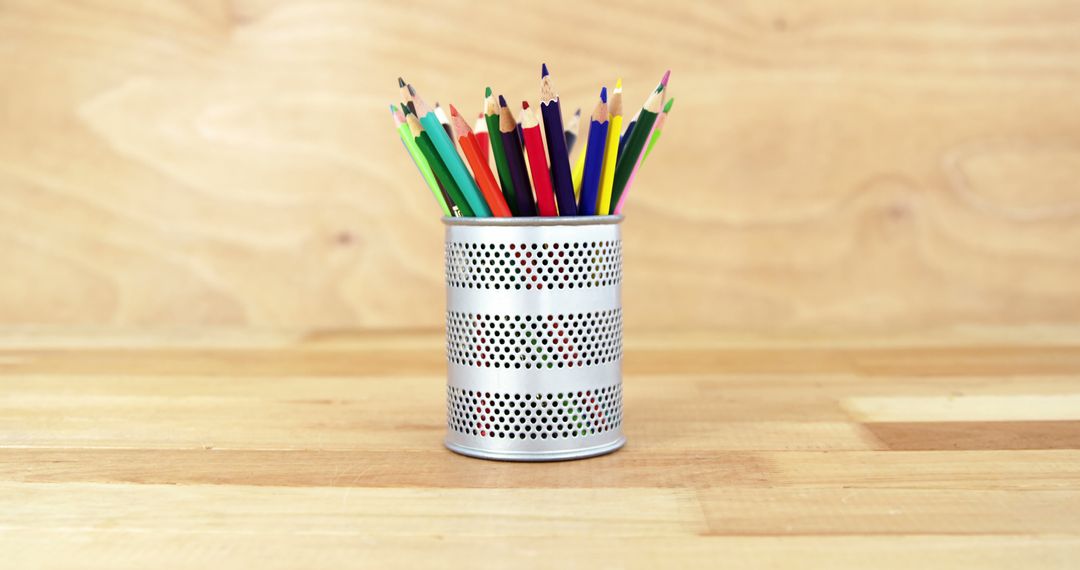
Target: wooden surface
[
  {"x": 323, "y": 451},
  {"x": 836, "y": 165}
]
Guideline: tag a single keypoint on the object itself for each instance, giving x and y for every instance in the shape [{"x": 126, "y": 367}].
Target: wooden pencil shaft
[
  {"x": 501, "y": 165},
  {"x": 561, "y": 179},
  {"x": 447, "y": 150},
  {"x": 534, "y": 145},
  {"x": 516, "y": 161},
  {"x": 423, "y": 141},
  {"x": 594, "y": 159}
]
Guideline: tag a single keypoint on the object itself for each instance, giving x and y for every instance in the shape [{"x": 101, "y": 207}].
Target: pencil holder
[{"x": 534, "y": 337}]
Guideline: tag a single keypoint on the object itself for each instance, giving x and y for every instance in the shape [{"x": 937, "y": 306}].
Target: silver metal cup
[{"x": 534, "y": 337}]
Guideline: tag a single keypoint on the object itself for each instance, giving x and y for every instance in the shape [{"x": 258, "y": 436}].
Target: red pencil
[
  {"x": 534, "y": 145},
  {"x": 470, "y": 147},
  {"x": 481, "y": 132}
]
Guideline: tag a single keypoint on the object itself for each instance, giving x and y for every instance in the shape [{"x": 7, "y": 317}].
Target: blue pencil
[
  {"x": 594, "y": 157},
  {"x": 448, "y": 152}
]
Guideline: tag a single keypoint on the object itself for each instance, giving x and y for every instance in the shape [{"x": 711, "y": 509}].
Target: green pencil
[
  {"x": 491, "y": 117},
  {"x": 628, "y": 160},
  {"x": 423, "y": 142},
  {"x": 659, "y": 128},
  {"x": 418, "y": 157}
]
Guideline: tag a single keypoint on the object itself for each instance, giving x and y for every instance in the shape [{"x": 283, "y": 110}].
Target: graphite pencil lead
[
  {"x": 412, "y": 91},
  {"x": 400, "y": 82}
]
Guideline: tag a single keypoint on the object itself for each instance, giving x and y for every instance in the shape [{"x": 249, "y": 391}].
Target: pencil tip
[
  {"x": 603, "y": 94},
  {"x": 578, "y": 112},
  {"x": 524, "y": 104},
  {"x": 543, "y": 70},
  {"x": 393, "y": 109},
  {"x": 618, "y": 84},
  {"x": 400, "y": 82},
  {"x": 664, "y": 80},
  {"x": 412, "y": 91},
  {"x": 670, "y": 102},
  {"x": 436, "y": 104},
  {"x": 502, "y": 101},
  {"x": 453, "y": 110},
  {"x": 487, "y": 92}
]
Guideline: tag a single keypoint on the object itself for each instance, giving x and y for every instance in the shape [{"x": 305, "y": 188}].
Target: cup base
[{"x": 534, "y": 456}]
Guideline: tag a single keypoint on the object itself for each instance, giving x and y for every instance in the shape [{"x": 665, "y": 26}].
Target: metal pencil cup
[{"x": 534, "y": 337}]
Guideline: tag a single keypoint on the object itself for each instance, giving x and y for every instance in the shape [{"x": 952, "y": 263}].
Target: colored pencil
[
  {"x": 611, "y": 150},
  {"x": 516, "y": 160},
  {"x": 481, "y": 132},
  {"x": 571, "y": 134},
  {"x": 403, "y": 88},
  {"x": 491, "y": 116},
  {"x": 658, "y": 129},
  {"x": 451, "y": 158},
  {"x": 594, "y": 161},
  {"x": 579, "y": 164},
  {"x": 541, "y": 176},
  {"x": 471, "y": 148},
  {"x": 418, "y": 158},
  {"x": 410, "y": 109},
  {"x": 636, "y": 145},
  {"x": 561, "y": 181},
  {"x": 626, "y": 133},
  {"x": 438, "y": 167},
  {"x": 633, "y": 123},
  {"x": 654, "y": 135},
  {"x": 445, "y": 120}
]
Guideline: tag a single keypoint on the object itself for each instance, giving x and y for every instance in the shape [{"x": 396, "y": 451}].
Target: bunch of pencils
[{"x": 532, "y": 174}]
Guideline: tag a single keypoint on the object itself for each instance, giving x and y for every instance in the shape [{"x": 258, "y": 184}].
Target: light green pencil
[
  {"x": 418, "y": 157},
  {"x": 659, "y": 128}
]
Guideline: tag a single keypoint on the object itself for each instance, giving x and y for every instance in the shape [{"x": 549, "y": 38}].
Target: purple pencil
[
  {"x": 562, "y": 182},
  {"x": 508, "y": 130}
]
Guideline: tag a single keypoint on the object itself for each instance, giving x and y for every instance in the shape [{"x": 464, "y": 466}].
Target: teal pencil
[{"x": 448, "y": 152}]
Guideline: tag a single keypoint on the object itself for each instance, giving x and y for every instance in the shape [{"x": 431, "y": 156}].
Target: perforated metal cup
[{"x": 534, "y": 337}]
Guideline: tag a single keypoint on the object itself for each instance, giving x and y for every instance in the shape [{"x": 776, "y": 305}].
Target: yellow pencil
[{"x": 611, "y": 151}]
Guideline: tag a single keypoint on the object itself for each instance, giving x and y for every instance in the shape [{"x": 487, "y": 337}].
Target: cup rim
[{"x": 531, "y": 221}]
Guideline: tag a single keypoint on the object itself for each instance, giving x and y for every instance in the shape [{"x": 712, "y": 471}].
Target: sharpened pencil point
[
  {"x": 400, "y": 82},
  {"x": 543, "y": 70},
  {"x": 669, "y": 104},
  {"x": 502, "y": 101},
  {"x": 453, "y": 111},
  {"x": 393, "y": 109},
  {"x": 664, "y": 80},
  {"x": 618, "y": 84},
  {"x": 578, "y": 112},
  {"x": 524, "y": 104},
  {"x": 412, "y": 91},
  {"x": 603, "y": 94},
  {"x": 487, "y": 92}
]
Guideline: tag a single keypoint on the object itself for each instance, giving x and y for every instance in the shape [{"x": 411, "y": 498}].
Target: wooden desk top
[{"x": 323, "y": 451}]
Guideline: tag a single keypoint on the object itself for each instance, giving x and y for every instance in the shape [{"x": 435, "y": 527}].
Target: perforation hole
[
  {"x": 534, "y": 266},
  {"x": 534, "y": 342},
  {"x": 500, "y": 415}
]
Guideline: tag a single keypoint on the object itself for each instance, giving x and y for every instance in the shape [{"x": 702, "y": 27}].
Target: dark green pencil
[
  {"x": 423, "y": 141},
  {"x": 491, "y": 117}
]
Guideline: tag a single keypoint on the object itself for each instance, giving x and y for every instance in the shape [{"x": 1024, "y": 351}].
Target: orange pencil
[{"x": 470, "y": 147}]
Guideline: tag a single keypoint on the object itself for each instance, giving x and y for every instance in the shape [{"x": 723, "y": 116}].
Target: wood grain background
[{"x": 829, "y": 165}]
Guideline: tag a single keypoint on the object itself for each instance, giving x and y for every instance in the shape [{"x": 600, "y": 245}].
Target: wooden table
[{"x": 220, "y": 450}]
